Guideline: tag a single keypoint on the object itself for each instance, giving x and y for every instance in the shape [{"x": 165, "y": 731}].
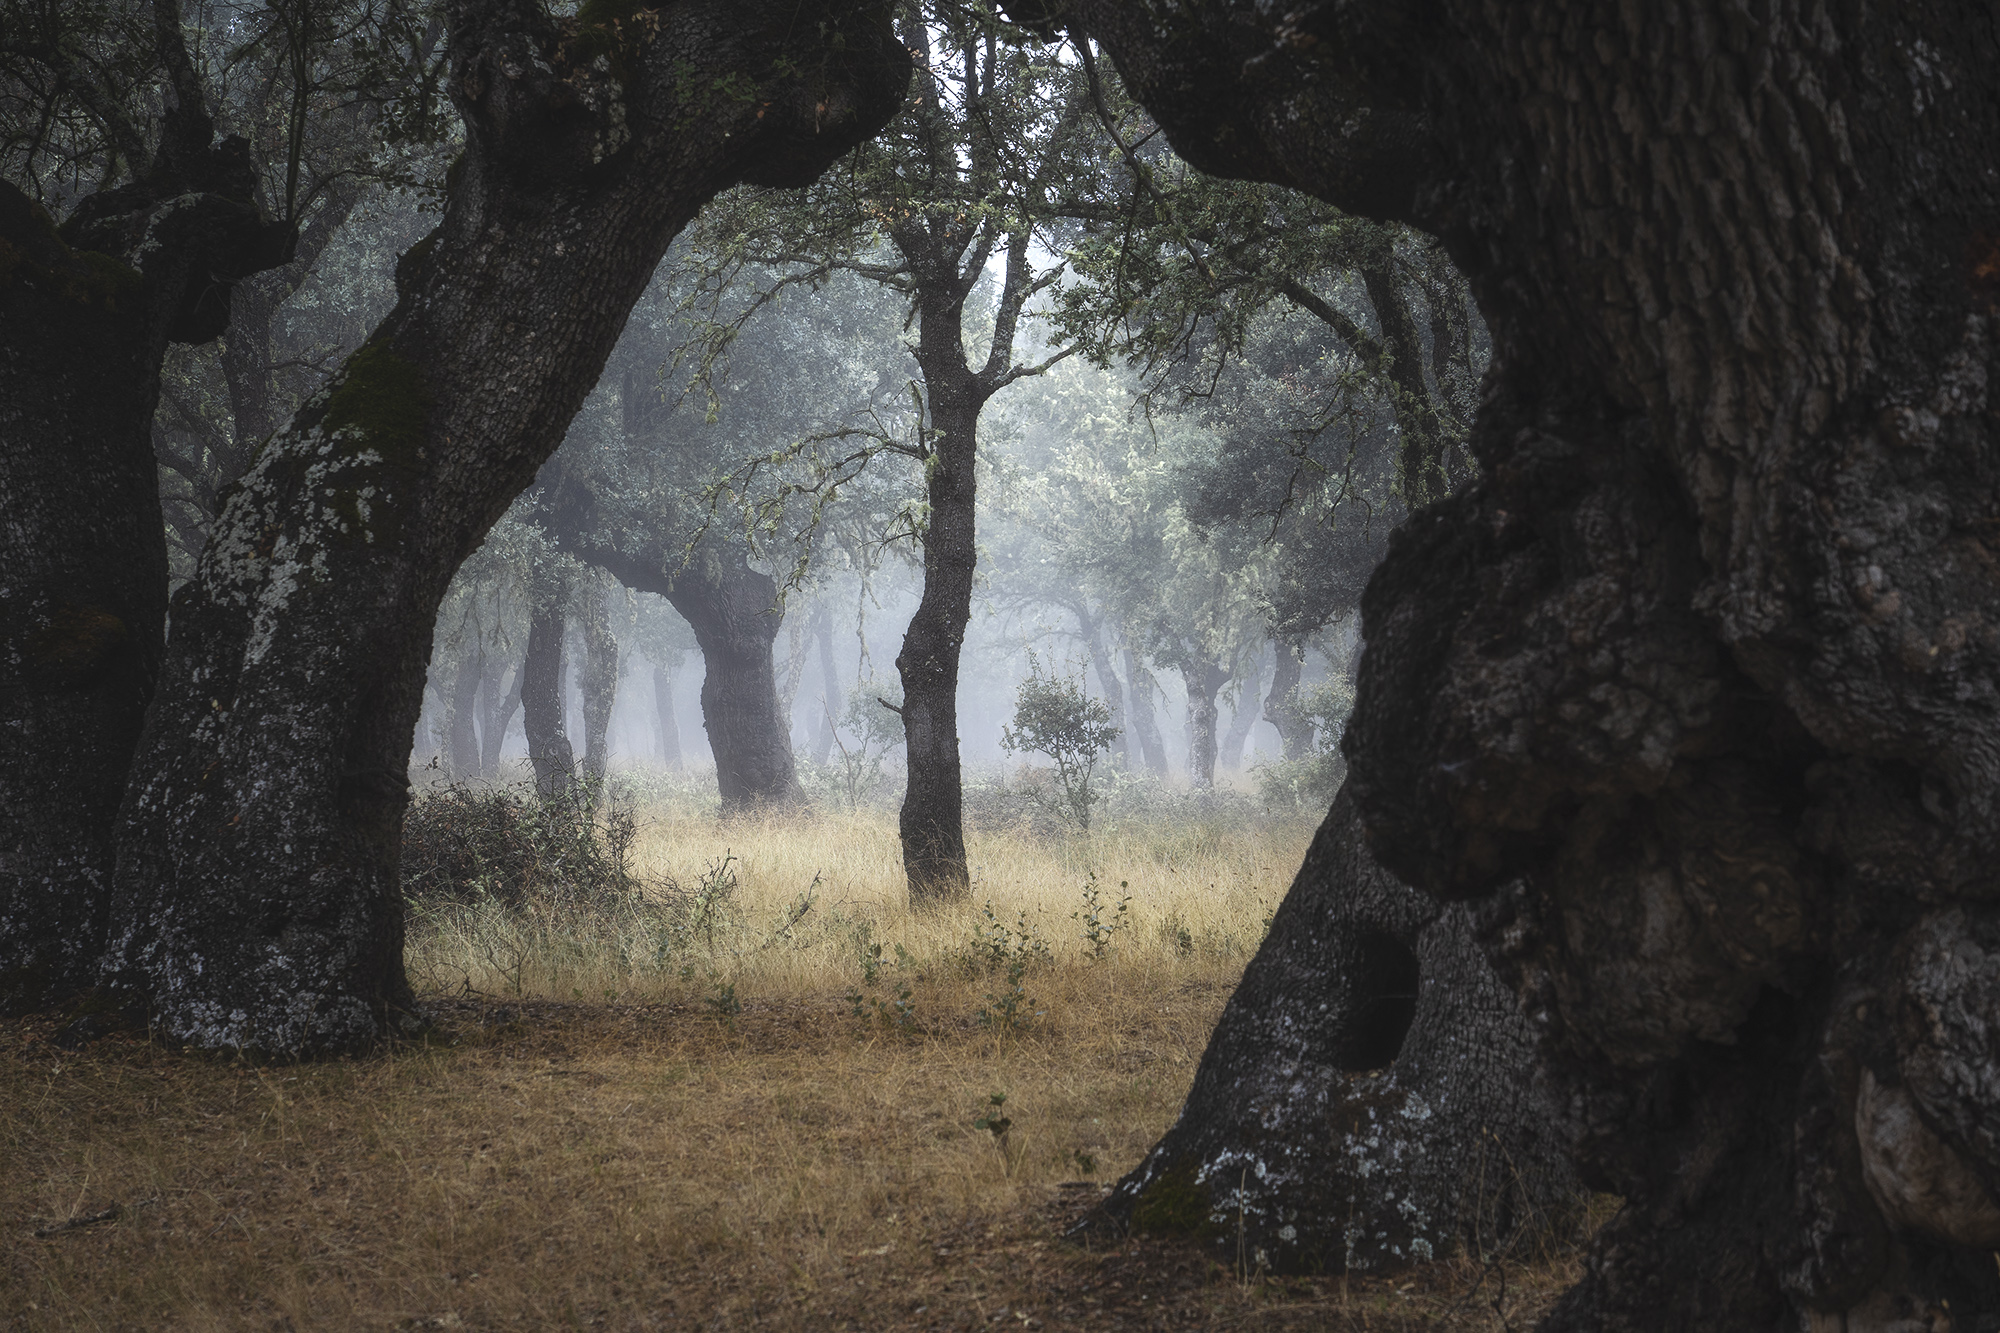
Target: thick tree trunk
[
  {"x": 543, "y": 716},
  {"x": 599, "y": 681},
  {"x": 733, "y": 611},
  {"x": 497, "y": 713},
  {"x": 832, "y": 700},
  {"x": 796, "y": 648},
  {"x": 86, "y": 314},
  {"x": 1203, "y": 679},
  {"x": 272, "y": 769},
  {"x": 1696, "y": 693},
  {"x": 932, "y": 820},
  {"x": 1369, "y": 1098},
  {"x": 1281, "y": 710},
  {"x": 663, "y": 713},
  {"x": 1143, "y": 724}
]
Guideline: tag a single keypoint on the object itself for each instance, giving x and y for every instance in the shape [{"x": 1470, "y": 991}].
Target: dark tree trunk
[
  {"x": 832, "y": 699},
  {"x": 599, "y": 681},
  {"x": 86, "y": 314},
  {"x": 1369, "y": 1098},
  {"x": 464, "y": 740},
  {"x": 1143, "y": 724},
  {"x": 496, "y": 715},
  {"x": 1281, "y": 707},
  {"x": 669, "y": 726},
  {"x": 1203, "y": 679},
  {"x": 542, "y": 679},
  {"x": 932, "y": 820},
  {"x": 1693, "y": 694},
  {"x": 1242, "y": 717},
  {"x": 257, "y": 903},
  {"x": 733, "y": 611}
]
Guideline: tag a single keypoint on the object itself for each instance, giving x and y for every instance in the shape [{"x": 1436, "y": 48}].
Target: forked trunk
[
  {"x": 1241, "y": 718},
  {"x": 1144, "y": 726},
  {"x": 1281, "y": 705},
  {"x": 497, "y": 710},
  {"x": 1203, "y": 680}
]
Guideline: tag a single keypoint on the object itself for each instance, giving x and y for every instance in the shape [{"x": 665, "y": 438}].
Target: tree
[
  {"x": 1690, "y": 695},
  {"x": 255, "y": 901},
  {"x": 965, "y": 175},
  {"x": 1053, "y": 716}
]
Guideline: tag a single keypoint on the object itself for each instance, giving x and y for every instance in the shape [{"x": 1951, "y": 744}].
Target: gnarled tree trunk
[
  {"x": 1695, "y": 695},
  {"x": 1203, "y": 680},
  {"x": 599, "y": 681},
  {"x": 544, "y": 674},
  {"x": 464, "y": 740},
  {"x": 86, "y": 314},
  {"x": 1281, "y": 707},
  {"x": 496, "y": 713},
  {"x": 1370, "y": 1097},
  {"x": 256, "y": 902},
  {"x": 1144, "y": 726}
]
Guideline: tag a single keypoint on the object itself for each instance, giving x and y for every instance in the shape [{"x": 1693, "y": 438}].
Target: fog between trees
[{"x": 430, "y": 356}]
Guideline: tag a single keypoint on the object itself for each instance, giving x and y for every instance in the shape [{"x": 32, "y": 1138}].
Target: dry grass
[{"x": 670, "y": 1161}]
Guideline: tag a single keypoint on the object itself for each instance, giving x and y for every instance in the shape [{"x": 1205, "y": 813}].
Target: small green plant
[
  {"x": 1098, "y": 928},
  {"x": 1086, "y": 1165},
  {"x": 994, "y": 946},
  {"x": 874, "y": 717},
  {"x": 1012, "y": 1009},
  {"x": 897, "y": 1013},
  {"x": 723, "y": 1002},
  {"x": 994, "y": 1120},
  {"x": 1174, "y": 930},
  {"x": 1054, "y": 717}
]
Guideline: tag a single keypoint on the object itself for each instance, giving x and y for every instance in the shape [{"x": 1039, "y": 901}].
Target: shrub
[
  {"x": 1054, "y": 717},
  {"x": 462, "y": 844}
]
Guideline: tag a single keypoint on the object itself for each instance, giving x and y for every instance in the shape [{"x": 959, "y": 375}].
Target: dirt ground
[{"x": 547, "y": 1165}]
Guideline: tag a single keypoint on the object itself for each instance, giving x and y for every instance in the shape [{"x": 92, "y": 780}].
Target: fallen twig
[{"x": 110, "y": 1214}]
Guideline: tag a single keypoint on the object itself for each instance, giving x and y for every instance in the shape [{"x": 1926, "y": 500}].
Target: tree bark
[
  {"x": 1092, "y": 629},
  {"x": 1281, "y": 708},
  {"x": 86, "y": 313},
  {"x": 1692, "y": 695},
  {"x": 543, "y": 715},
  {"x": 599, "y": 681},
  {"x": 669, "y": 726},
  {"x": 464, "y": 740},
  {"x": 1369, "y": 1098},
  {"x": 272, "y": 769},
  {"x": 932, "y": 818},
  {"x": 1143, "y": 725}
]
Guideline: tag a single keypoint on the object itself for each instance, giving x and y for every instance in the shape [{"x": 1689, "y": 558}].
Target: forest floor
[{"x": 773, "y": 1128}]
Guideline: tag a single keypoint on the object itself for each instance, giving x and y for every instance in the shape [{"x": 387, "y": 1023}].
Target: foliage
[
  {"x": 1099, "y": 928},
  {"x": 1054, "y": 717},
  {"x": 463, "y": 843},
  {"x": 1310, "y": 782}
]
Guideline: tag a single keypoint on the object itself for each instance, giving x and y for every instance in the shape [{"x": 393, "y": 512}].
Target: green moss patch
[
  {"x": 1173, "y": 1205},
  {"x": 382, "y": 400}
]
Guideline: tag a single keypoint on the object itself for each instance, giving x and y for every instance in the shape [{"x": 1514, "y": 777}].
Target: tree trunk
[
  {"x": 599, "y": 681},
  {"x": 1281, "y": 708},
  {"x": 1143, "y": 725},
  {"x": 832, "y": 699},
  {"x": 86, "y": 314},
  {"x": 1203, "y": 679},
  {"x": 464, "y": 741},
  {"x": 669, "y": 726},
  {"x": 542, "y": 678},
  {"x": 1704, "y": 663},
  {"x": 1092, "y": 629},
  {"x": 932, "y": 820},
  {"x": 496, "y": 716},
  {"x": 1242, "y": 717},
  {"x": 272, "y": 768},
  {"x": 1369, "y": 1098},
  {"x": 733, "y": 611},
  {"x": 795, "y": 668}
]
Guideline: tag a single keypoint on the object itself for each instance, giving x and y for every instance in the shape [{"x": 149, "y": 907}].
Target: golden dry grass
[{"x": 663, "y": 1160}]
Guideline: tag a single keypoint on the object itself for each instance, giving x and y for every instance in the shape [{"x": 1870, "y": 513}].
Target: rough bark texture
[
  {"x": 86, "y": 314},
  {"x": 256, "y": 901},
  {"x": 1369, "y": 1099},
  {"x": 1202, "y": 679},
  {"x": 496, "y": 715},
  {"x": 1694, "y": 694},
  {"x": 464, "y": 748}
]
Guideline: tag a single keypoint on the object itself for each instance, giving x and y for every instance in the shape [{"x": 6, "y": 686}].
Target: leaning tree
[
  {"x": 1692, "y": 697},
  {"x": 254, "y": 902}
]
